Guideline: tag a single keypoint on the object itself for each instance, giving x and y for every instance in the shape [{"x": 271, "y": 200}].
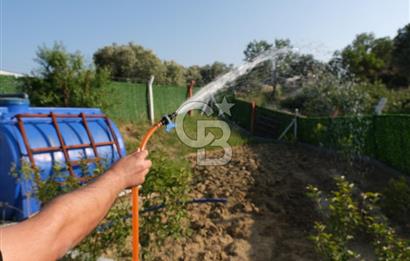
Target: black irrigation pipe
[{"x": 4, "y": 205}]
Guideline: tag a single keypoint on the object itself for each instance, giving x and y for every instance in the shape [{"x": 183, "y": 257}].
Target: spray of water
[{"x": 207, "y": 92}]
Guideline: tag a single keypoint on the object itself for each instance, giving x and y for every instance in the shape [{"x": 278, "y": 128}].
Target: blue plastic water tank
[{"x": 16, "y": 198}]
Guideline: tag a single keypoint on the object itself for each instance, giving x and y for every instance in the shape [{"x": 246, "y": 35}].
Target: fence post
[
  {"x": 189, "y": 91},
  {"x": 295, "y": 127},
  {"x": 253, "y": 117},
  {"x": 151, "y": 100},
  {"x": 375, "y": 148}
]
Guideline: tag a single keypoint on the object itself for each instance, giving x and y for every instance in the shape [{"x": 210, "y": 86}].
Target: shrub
[
  {"x": 346, "y": 217},
  {"x": 400, "y": 101},
  {"x": 112, "y": 232},
  {"x": 396, "y": 200},
  {"x": 166, "y": 183},
  {"x": 342, "y": 218}
]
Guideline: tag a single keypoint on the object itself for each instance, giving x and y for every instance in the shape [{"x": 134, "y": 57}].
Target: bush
[
  {"x": 62, "y": 79},
  {"x": 329, "y": 95},
  {"x": 396, "y": 200},
  {"x": 400, "y": 101},
  {"x": 9, "y": 84},
  {"x": 346, "y": 218},
  {"x": 111, "y": 234},
  {"x": 167, "y": 183},
  {"x": 342, "y": 219}
]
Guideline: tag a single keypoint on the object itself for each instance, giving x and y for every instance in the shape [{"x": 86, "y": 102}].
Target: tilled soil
[{"x": 268, "y": 215}]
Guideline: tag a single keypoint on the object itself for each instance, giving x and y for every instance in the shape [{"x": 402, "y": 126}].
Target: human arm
[{"x": 66, "y": 220}]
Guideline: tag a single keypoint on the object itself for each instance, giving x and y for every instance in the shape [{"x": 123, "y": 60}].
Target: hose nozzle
[{"x": 167, "y": 121}]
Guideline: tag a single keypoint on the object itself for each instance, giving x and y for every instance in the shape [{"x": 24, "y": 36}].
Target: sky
[{"x": 190, "y": 31}]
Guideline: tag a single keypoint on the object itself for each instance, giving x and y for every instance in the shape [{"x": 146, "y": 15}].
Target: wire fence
[
  {"x": 128, "y": 102},
  {"x": 125, "y": 101},
  {"x": 382, "y": 137}
]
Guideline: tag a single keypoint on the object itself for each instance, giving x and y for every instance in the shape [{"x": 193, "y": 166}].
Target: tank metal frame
[{"x": 63, "y": 147}]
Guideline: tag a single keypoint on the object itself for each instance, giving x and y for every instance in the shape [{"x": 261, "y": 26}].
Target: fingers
[
  {"x": 147, "y": 164},
  {"x": 141, "y": 171},
  {"x": 143, "y": 175},
  {"x": 142, "y": 165},
  {"x": 140, "y": 154},
  {"x": 134, "y": 168},
  {"x": 140, "y": 159}
]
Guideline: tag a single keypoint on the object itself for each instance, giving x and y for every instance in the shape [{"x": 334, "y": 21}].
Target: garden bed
[{"x": 268, "y": 215}]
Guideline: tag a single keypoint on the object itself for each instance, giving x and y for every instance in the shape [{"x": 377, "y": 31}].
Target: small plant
[
  {"x": 111, "y": 235},
  {"x": 167, "y": 185},
  {"x": 387, "y": 246},
  {"x": 342, "y": 217},
  {"x": 346, "y": 217}
]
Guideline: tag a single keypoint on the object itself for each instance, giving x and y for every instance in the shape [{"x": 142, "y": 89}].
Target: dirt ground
[{"x": 268, "y": 216}]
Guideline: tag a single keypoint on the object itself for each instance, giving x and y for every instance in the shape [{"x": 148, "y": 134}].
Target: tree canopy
[
  {"x": 130, "y": 61},
  {"x": 63, "y": 79},
  {"x": 367, "y": 57},
  {"x": 255, "y": 48},
  {"x": 383, "y": 59},
  {"x": 401, "y": 52}
]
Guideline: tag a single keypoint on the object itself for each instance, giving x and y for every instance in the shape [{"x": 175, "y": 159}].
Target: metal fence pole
[
  {"x": 253, "y": 115},
  {"x": 189, "y": 92},
  {"x": 295, "y": 126},
  {"x": 151, "y": 100}
]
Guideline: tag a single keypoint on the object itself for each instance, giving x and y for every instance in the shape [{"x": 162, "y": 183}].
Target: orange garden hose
[{"x": 135, "y": 191}]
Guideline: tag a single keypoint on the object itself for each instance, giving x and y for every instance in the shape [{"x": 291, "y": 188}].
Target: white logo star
[{"x": 224, "y": 107}]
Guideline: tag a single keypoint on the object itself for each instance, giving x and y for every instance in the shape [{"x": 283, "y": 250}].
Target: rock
[
  {"x": 201, "y": 256},
  {"x": 238, "y": 249},
  {"x": 248, "y": 208},
  {"x": 201, "y": 187},
  {"x": 256, "y": 210},
  {"x": 224, "y": 256},
  {"x": 239, "y": 229},
  {"x": 197, "y": 225},
  {"x": 177, "y": 250},
  {"x": 226, "y": 239},
  {"x": 214, "y": 215},
  {"x": 196, "y": 238},
  {"x": 231, "y": 249},
  {"x": 212, "y": 229}
]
